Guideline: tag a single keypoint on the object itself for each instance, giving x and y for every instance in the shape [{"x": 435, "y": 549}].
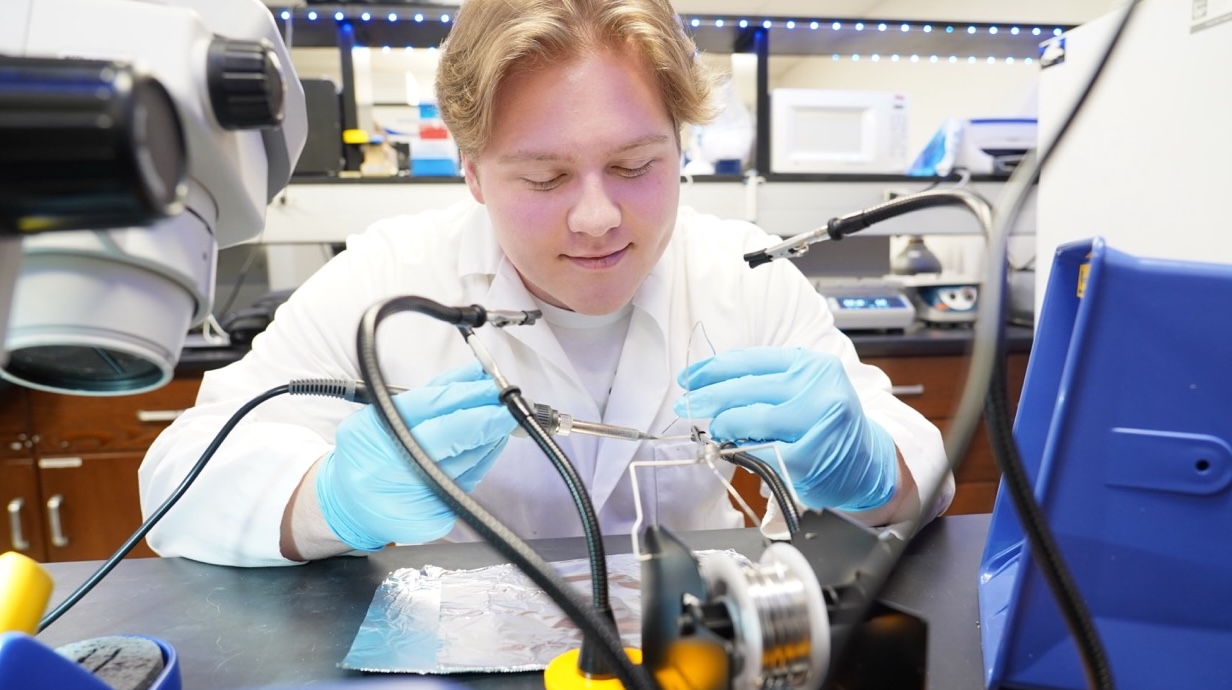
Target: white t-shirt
[{"x": 592, "y": 344}]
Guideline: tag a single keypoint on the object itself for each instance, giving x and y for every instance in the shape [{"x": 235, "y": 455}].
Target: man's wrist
[{"x": 305, "y": 534}]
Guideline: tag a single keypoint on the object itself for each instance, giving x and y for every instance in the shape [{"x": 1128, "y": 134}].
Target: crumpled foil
[{"x": 493, "y": 619}]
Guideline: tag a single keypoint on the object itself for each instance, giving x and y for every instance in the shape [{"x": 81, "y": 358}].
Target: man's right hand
[{"x": 372, "y": 494}]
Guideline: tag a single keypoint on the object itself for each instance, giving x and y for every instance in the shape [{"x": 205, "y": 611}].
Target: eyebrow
[{"x": 521, "y": 156}]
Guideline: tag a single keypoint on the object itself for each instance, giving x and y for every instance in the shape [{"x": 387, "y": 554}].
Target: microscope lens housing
[{"x": 152, "y": 134}]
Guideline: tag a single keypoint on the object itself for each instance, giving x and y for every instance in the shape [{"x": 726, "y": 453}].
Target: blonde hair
[{"x": 491, "y": 39}]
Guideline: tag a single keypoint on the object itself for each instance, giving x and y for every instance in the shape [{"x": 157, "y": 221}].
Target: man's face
[{"x": 581, "y": 178}]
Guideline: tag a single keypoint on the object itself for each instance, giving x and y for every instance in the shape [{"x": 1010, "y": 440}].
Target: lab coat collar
[
  {"x": 480, "y": 253},
  {"x": 642, "y": 376}
]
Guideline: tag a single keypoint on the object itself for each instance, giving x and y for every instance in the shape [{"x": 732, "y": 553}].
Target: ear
[{"x": 472, "y": 178}]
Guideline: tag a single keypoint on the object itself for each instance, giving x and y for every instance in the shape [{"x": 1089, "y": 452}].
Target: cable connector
[
  {"x": 501, "y": 318},
  {"x": 351, "y": 391},
  {"x": 329, "y": 388}
]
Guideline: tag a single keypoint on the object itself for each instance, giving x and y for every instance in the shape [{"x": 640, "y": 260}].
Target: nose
[{"x": 595, "y": 211}]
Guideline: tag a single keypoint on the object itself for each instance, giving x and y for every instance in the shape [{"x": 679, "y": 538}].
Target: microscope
[{"x": 136, "y": 140}]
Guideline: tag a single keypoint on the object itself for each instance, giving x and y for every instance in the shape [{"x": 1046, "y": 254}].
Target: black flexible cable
[
  {"x": 590, "y": 664},
  {"x": 508, "y": 544},
  {"x": 357, "y": 391},
  {"x": 778, "y": 488},
  {"x": 1044, "y": 550},
  {"x": 158, "y": 514},
  {"x": 525, "y": 416},
  {"x": 1038, "y": 534}
]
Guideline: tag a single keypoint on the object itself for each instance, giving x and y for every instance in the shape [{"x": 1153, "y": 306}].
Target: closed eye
[
  {"x": 633, "y": 172},
  {"x": 545, "y": 185}
]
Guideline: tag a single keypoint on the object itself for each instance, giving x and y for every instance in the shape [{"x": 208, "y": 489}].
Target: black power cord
[
  {"x": 107, "y": 566},
  {"x": 594, "y": 625},
  {"x": 346, "y": 390}
]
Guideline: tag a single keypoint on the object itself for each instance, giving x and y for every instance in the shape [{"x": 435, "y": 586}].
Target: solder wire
[{"x": 781, "y": 605}]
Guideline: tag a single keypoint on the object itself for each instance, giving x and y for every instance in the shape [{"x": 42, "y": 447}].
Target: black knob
[
  {"x": 245, "y": 83},
  {"x": 86, "y": 144}
]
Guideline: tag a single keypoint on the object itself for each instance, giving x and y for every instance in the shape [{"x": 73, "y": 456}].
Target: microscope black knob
[{"x": 245, "y": 84}]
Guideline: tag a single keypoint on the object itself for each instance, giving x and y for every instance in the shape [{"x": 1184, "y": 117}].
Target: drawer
[
  {"x": 68, "y": 424},
  {"x": 931, "y": 385}
]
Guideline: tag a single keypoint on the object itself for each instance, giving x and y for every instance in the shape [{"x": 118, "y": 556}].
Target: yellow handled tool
[{"x": 25, "y": 588}]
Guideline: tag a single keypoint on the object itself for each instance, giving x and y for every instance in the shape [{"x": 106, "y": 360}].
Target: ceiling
[{"x": 1063, "y": 12}]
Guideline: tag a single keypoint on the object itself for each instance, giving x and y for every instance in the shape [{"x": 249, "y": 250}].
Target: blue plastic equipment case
[
  {"x": 1124, "y": 427},
  {"x": 28, "y": 664}
]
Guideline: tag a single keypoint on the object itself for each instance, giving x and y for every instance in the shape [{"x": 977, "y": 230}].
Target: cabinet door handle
[
  {"x": 53, "y": 519},
  {"x": 59, "y": 463},
  {"x": 158, "y": 415},
  {"x": 18, "y": 539},
  {"x": 908, "y": 389}
]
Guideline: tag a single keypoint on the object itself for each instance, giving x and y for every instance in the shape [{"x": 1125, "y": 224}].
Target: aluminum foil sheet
[{"x": 493, "y": 619}]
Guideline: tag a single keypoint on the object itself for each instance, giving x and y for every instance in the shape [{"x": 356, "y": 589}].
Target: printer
[{"x": 981, "y": 146}]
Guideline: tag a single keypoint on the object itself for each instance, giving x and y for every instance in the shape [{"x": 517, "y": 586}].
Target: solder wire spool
[{"x": 779, "y": 619}]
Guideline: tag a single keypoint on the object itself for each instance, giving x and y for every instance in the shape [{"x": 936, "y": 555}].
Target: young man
[{"x": 568, "y": 117}]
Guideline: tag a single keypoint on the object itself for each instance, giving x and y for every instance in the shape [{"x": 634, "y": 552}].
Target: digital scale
[{"x": 866, "y": 305}]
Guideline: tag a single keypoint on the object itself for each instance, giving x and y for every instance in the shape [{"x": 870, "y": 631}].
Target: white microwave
[{"x": 836, "y": 131}]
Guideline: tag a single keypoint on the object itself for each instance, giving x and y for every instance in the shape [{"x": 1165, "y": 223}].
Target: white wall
[{"x": 1145, "y": 165}]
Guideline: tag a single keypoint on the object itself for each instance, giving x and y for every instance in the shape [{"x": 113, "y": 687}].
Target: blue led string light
[{"x": 703, "y": 23}]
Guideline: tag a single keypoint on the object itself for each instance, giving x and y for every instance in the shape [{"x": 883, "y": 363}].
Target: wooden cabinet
[
  {"x": 933, "y": 385},
  {"x": 19, "y": 493},
  {"x": 19, "y": 489},
  {"x": 68, "y": 467}
]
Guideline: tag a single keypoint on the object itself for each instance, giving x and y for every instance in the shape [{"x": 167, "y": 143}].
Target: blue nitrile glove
[
  {"x": 837, "y": 457},
  {"x": 371, "y": 494}
]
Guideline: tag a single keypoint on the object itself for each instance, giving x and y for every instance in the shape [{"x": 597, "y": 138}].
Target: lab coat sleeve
[
  {"x": 787, "y": 311},
  {"x": 232, "y": 513}
]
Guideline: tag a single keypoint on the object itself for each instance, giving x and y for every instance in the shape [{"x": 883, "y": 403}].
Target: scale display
[
  {"x": 871, "y": 307},
  {"x": 865, "y": 303}
]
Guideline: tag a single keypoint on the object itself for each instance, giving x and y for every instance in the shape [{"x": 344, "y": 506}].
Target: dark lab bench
[{"x": 258, "y": 627}]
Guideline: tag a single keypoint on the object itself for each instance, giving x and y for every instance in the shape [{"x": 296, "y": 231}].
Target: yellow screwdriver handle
[{"x": 25, "y": 588}]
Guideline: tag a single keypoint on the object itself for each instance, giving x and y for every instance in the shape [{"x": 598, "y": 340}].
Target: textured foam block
[{"x": 124, "y": 663}]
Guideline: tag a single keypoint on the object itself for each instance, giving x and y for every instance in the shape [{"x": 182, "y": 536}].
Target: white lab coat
[{"x": 700, "y": 295}]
